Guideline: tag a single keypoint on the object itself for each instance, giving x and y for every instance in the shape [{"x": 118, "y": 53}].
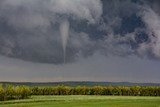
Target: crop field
[{"x": 84, "y": 101}]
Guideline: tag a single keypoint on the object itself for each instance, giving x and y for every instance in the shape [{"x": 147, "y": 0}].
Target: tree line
[
  {"x": 9, "y": 92},
  {"x": 97, "y": 90}
]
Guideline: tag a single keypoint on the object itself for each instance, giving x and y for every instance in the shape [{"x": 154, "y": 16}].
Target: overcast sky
[{"x": 80, "y": 40}]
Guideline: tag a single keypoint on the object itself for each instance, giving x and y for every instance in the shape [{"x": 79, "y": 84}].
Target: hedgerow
[
  {"x": 9, "y": 92},
  {"x": 97, "y": 90}
]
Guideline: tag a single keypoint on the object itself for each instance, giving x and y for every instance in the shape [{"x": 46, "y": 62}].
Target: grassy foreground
[{"x": 84, "y": 101}]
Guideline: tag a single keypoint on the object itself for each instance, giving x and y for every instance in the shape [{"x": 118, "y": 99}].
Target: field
[{"x": 84, "y": 101}]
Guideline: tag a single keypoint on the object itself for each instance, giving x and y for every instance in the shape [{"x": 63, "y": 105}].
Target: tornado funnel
[{"x": 64, "y": 31}]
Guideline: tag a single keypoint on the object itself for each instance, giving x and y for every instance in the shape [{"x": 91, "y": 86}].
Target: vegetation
[
  {"x": 80, "y": 83},
  {"x": 97, "y": 90},
  {"x": 84, "y": 101},
  {"x": 9, "y": 92}
]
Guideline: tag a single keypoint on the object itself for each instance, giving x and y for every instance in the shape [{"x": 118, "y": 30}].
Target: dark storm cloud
[
  {"x": 29, "y": 30},
  {"x": 33, "y": 30}
]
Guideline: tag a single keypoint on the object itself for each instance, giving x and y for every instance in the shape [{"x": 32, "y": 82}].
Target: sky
[{"x": 80, "y": 40}]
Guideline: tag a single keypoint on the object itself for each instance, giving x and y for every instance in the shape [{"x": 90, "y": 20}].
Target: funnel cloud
[{"x": 64, "y": 30}]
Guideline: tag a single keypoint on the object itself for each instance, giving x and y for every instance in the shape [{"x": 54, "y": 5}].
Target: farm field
[{"x": 84, "y": 101}]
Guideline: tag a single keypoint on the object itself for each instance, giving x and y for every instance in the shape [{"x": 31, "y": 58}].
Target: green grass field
[{"x": 84, "y": 101}]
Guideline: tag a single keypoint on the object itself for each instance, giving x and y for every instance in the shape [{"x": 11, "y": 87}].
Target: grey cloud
[
  {"x": 35, "y": 26},
  {"x": 108, "y": 40},
  {"x": 95, "y": 68},
  {"x": 152, "y": 22},
  {"x": 29, "y": 30}
]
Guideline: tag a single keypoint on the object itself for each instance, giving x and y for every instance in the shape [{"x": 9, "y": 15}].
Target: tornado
[{"x": 64, "y": 31}]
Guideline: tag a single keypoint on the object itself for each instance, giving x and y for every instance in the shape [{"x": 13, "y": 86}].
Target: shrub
[{"x": 9, "y": 92}]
